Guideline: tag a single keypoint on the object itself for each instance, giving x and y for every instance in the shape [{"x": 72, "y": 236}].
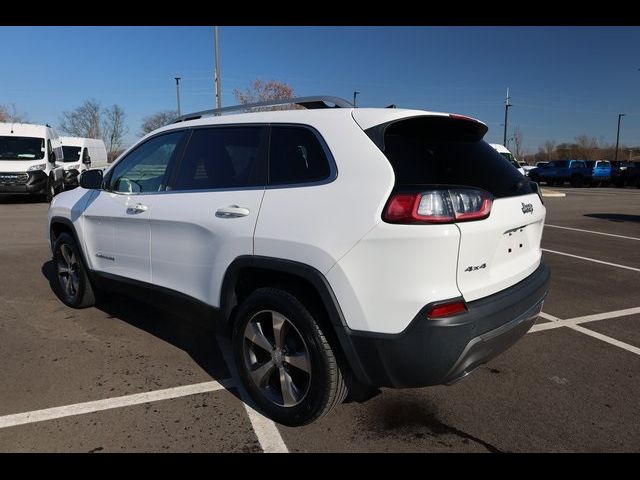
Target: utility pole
[
  {"x": 178, "y": 93},
  {"x": 620, "y": 115},
  {"x": 216, "y": 42},
  {"x": 354, "y": 97},
  {"x": 507, "y": 104}
]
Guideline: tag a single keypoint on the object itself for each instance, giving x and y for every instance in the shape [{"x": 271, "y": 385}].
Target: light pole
[
  {"x": 507, "y": 104},
  {"x": 620, "y": 115},
  {"x": 216, "y": 42},
  {"x": 178, "y": 93},
  {"x": 354, "y": 97}
]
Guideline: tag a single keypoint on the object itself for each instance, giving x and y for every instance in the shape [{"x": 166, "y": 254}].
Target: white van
[
  {"x": 28, "y": 155},
  {"x": 504, "y": 151},
  {"x": 80, "y": 154}
]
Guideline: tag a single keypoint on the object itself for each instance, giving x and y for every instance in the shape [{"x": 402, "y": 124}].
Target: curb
[{"x": 552, "y": 193}]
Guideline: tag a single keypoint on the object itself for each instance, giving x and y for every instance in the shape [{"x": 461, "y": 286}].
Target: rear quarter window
[{"x": 296, "y": 156}]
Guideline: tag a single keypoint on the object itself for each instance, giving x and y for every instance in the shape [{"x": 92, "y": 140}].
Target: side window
[
  {"x": 296, "y": 156},
  {"x": 50, "y": 154},
  {"x": 222, "y": 157},
  {"x": 85, "y": 154},
  {"x": 145, "y": 168}
]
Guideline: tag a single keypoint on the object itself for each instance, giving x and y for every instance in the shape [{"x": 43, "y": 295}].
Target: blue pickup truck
[
  {"x": 559, "y": 171},
  {"x": 600, "y": 172}
]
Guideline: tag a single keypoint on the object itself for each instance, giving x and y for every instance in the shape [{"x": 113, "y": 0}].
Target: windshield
[
  {"x": 21, "y": 148},
  {"x": 71, "y": 154}
]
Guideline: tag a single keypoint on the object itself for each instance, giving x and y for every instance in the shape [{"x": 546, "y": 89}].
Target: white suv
[{"x": 342, "y": 247}]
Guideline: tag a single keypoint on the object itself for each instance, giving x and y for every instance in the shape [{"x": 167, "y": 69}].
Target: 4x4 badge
[
  {"x": 527, "y": 208},
  {"x": 471, "y": 268}
]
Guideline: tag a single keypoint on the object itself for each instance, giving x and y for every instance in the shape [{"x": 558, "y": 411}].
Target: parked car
[
  {"x": 28, "y": 155},
  {"x": 625, "y": 173},
  {"x": 345, "y": 248},
  {"x": 79, "y": 155},
  {"x": 504, "y": 151},
  {"x": 559, "y": 171},
  {"x": 600, "y": 172}
]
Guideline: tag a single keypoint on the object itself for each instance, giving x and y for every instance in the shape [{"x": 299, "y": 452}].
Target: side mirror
[
  {"x": 52, "y": 157},
  {"x": 91, "y": 179},
  {"x": 87, "y": 160}
]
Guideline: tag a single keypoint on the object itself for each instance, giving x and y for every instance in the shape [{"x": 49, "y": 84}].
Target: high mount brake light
[{"x": 438, "y": 206}]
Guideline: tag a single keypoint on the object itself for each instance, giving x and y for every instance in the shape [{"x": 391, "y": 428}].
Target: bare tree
[
  {"x": 114, "y": 130},
  {"x": 260, "y": 91},
  {"x": 157, "y": 120},
  {"x": 518, "y": 140},
  {"x": 9, "y": 113},
  {"x": 587, "y": 147},
  {"x": 548, "y": 148},
  {"x": 84, "y": 121}
]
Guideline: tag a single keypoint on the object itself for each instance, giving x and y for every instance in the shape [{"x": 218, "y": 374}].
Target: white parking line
[
  {"x": 549, "y": 317},
  {"x": 265, "y": 429},
  {"x": 591, "y": 260},
  {"x": 557, "y": 323},
  {"x": 110, "y": 403},
  {"x": 604, "y": 338},
  {"x": 592, "y": 231}
]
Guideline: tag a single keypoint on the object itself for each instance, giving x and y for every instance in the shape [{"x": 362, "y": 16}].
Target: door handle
[
  {"x": 232, "y": 211},
  {"x": 138, "y": 208}
]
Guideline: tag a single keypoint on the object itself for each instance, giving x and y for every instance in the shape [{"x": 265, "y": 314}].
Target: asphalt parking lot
[{"x": 126, "y": 377}]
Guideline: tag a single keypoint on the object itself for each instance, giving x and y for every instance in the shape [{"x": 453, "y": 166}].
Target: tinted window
[
  {"x": 444, "y": 151},
  {"x": 144, "y": 169},
  {"x": 559, "y": 164},
  {"x": 296, "y": 156},
  {"x": 222, "y": 157},
  {"x": 71, "y": 154}
]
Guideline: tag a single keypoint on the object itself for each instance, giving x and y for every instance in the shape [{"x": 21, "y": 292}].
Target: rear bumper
[{"x": 433, "y": 352}]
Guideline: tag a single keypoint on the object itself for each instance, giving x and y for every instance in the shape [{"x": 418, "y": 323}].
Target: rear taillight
[
  {"x": 438, "y": 206},
  {"x": 447, "y": 309}
]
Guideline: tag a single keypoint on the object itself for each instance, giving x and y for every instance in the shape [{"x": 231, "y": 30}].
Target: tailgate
[{"x": 501, "y": 250}]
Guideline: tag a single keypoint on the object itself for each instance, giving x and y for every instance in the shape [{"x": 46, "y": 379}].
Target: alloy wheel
[
  {"x": 68, "y": 274},
  {"x": 277, "y": 358}
]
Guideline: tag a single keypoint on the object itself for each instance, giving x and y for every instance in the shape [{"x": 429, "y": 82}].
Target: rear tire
[
  {"x": 72, "y": 284},
  {"x": 284, "y": 359},
  {"x": 577, "y": 181}
]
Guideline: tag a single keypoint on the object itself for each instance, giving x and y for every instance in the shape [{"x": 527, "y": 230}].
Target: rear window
[
  {"x": 559, "y": 164},
  {"x": 446, "y": 151}
]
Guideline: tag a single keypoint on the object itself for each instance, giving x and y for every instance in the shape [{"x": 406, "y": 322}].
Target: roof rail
[{"x": 314, "y": 102}]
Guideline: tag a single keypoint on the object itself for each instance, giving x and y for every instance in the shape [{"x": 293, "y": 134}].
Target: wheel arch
[
  {"x": 59, "y": 225},
  {"x": 248, "y": 273}
]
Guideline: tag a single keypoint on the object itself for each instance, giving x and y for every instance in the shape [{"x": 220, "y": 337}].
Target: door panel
[
  {"x": 117, "y": 219},
  {"x": 117, "y": 237},
  {"x": 191, "y": 247},
  {"x": 208, "y": 215}
]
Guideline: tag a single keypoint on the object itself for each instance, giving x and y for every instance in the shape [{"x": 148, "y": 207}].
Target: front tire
[
  {"x": 50, "y": 192},
  {"x": 284, "y": 359},
  {"x": 72, "y": 283}
]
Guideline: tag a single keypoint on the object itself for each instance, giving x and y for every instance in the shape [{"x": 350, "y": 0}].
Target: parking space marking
[
  {"x": 557, "y": 323},
  {"x": 268, "y": 434},
  {"x": 549, "y": 317},
  {"x": 111, "y": 403},
  {"x": 591, "y": 260},
  {"x": 592, "y": 231},
  {"x": 604, "y": 338}
]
